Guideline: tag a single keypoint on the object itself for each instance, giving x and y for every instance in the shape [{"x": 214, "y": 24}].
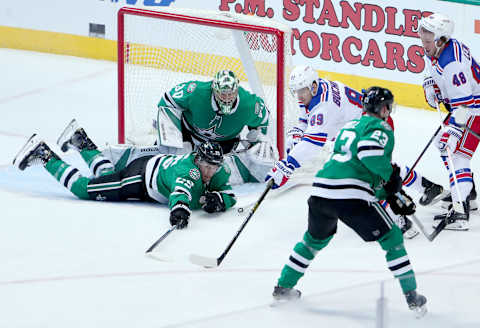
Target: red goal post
[{"x": 158, "y": 49}]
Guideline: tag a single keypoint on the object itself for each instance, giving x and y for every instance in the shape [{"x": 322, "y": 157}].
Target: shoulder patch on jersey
[
  {"x": 258, "y": 109},
  {"x": 227, "y": 169},
  {"x": 386, "y": 125},
  {"x": 191, "y": 87},
  {"x": 194, "y": 174}
]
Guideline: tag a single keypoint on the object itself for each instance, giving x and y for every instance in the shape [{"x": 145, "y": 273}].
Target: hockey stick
[
  {"x": 428, "y": 145},
  {"x": 155, "y": 244},
  {"x": 457, "y": 205},
  {"x": 209, "y": 262}
]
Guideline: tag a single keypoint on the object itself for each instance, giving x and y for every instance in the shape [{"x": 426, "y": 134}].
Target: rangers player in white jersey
[
  {"x": 454, "y": 78},
  {"x": 326, "y": 107}
]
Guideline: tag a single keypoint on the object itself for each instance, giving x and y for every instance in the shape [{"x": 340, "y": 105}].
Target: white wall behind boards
[{"x": 368, "y": 38}]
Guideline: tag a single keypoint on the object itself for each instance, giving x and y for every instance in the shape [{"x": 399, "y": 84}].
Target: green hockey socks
[
  {"x": 69, "y": 177},
  {"x": 301, "y": 257},
  {"x": 97, "y": 163},
  {"x": 397, "y": 259}
]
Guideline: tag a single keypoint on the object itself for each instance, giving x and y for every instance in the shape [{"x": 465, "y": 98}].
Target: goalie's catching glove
[
  {"x": 213, "y": 202},
  {"x": 280, "y": 173},
  {"x": 179, "y": 215},
  {"x": 401, "y": 203}
]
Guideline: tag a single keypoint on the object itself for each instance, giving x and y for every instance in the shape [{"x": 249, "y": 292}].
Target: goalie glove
[
  {"x": 294, "y": 136},
  {"x": 213, "y": 202},
  {"x": 401, "y": 203},
  {"x": 432, "y": 92},
  {"x": 280, "y": 173},
  {"x": 179, "y": 215}
]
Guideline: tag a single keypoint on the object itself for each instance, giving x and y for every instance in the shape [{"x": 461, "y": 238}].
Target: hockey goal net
[{"x": 159, "y": 49}]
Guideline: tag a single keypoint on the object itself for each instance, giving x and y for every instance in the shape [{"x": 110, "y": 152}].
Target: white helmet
[
  {"x": 440, "y": 25},
  {"x": 302, "y": 77}
]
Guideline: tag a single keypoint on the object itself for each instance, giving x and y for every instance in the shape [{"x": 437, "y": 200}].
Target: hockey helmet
[
  {"x": 210, "y": 153},
  {"x": 438, "y": 24},
  {"x": 225, "y": 90},
  {"x": 302, "y": 77},
  {"x": 375, "y": 98}
]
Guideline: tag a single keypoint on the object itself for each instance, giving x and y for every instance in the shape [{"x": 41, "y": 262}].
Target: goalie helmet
[
  {"x": 302, "y": 77},
  {"x": 375, "y": 98},
  {"x": 210, "y": 152},
  {"x": 438, "y": 24},
  {"x": 225, "y": 90}
]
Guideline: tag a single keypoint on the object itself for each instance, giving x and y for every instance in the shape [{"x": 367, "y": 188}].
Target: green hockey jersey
[
  {"x": 193, "y": 102},
  {"x": 360, "y": 163},
  {"x": 175, "y": 178}
]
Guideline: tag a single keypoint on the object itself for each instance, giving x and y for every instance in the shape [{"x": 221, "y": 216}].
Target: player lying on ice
[
  {"x": 453, "y": 78},
  {"x": 218, "y": 111},
  {"x": 326, "y": 106},
  {"x": 184, "y": 182},
  {"x": 348, "y": 188}
]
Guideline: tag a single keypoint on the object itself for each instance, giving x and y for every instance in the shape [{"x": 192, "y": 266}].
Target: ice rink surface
[{"x": 72, "y": 263}]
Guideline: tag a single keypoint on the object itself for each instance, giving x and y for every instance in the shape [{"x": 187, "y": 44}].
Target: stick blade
[{"x": 206, "y": 262}]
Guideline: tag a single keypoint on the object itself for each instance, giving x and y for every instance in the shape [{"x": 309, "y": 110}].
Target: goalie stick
[{"x": 209, "y": 262}]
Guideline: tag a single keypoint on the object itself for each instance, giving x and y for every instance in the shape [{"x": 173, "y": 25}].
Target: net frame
[{"x": 279, "y": 31}]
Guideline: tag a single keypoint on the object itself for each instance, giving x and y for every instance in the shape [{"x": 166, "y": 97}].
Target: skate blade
[
  {"x": 411, "y": 233},
  {"x": 67, "y": 134},
  {"x": 420, "y": 311},
  {"x": 23, "y": 151}
]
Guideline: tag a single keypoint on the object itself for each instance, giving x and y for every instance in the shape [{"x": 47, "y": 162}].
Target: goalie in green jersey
[
  {"x": 219, "y": 111},
  {"x": 358, "y": 174},
  {"x": 184, "y": 182}
]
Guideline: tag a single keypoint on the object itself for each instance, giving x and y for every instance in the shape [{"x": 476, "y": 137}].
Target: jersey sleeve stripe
[
  {"x": 370, "y": 153},
  {"x": 170, "y": 101}
]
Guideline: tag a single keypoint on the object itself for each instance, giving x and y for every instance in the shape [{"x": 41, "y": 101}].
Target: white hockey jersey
[
  {"x": 457, "y": 75},
  {"x": 334, "y": 105}
]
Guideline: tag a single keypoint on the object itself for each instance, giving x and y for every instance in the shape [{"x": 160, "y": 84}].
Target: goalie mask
[
  {"x": 375, "y": 98},
  {"x": 225, "y": 90}
]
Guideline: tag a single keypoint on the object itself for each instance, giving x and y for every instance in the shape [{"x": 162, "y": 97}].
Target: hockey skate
[
  {"x": 431, "y": 192},
  {"x": 456, "y": 220},
  {"x": 34, "y": 152},
  {"x": 283, "y": 294},
  {"x": 447, "y": 201},
  {"x": 408, "y": 230},
  {"x": 75, "y": 137},
  {"x": 416, "y": 303}
]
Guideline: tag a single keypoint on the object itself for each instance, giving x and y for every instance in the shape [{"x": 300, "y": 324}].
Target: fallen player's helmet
[
  {"x": 302, "y": 77},
  {"x": 225, "y": 90},
  {"x": 375, "y": 98},
  {"x": 438, "y": 24},
  {"x": 210, "y": 152}
]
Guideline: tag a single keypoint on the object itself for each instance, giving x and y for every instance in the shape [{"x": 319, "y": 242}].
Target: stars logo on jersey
[
  {"x": 210, "y": 133},
  {"x": 191, "y": 87},
  {"x": 194, "y": 174}
]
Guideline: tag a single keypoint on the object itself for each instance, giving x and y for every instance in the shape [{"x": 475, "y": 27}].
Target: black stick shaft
[
  {"x": 151, "y": 248},
  {"x": 428, "y": 145},
  {"x": 250, "y": 214}
]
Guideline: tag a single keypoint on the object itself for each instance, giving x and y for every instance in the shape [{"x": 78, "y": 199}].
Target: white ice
[{"x": 72, "y": 263}]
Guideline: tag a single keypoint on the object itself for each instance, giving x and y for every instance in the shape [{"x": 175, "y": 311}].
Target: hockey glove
[
  {"x": 395, "y": 183},
  {"x": 280, "y": 173},
  {"x": 432, "y": 92},
  {"x": 213, "y": 202},
  {"x": 294, "y": 135},
  {"x": 179, "y": 215},
  {"x": 449, "y": 137},
  {"x": 401, "y": 203}
]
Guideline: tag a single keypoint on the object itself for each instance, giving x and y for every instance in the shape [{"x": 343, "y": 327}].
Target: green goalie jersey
[
  {"x": 193, "y": 103},
  {"x": 175, "y": 178},
  {"x": 360, "y": 163}
]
